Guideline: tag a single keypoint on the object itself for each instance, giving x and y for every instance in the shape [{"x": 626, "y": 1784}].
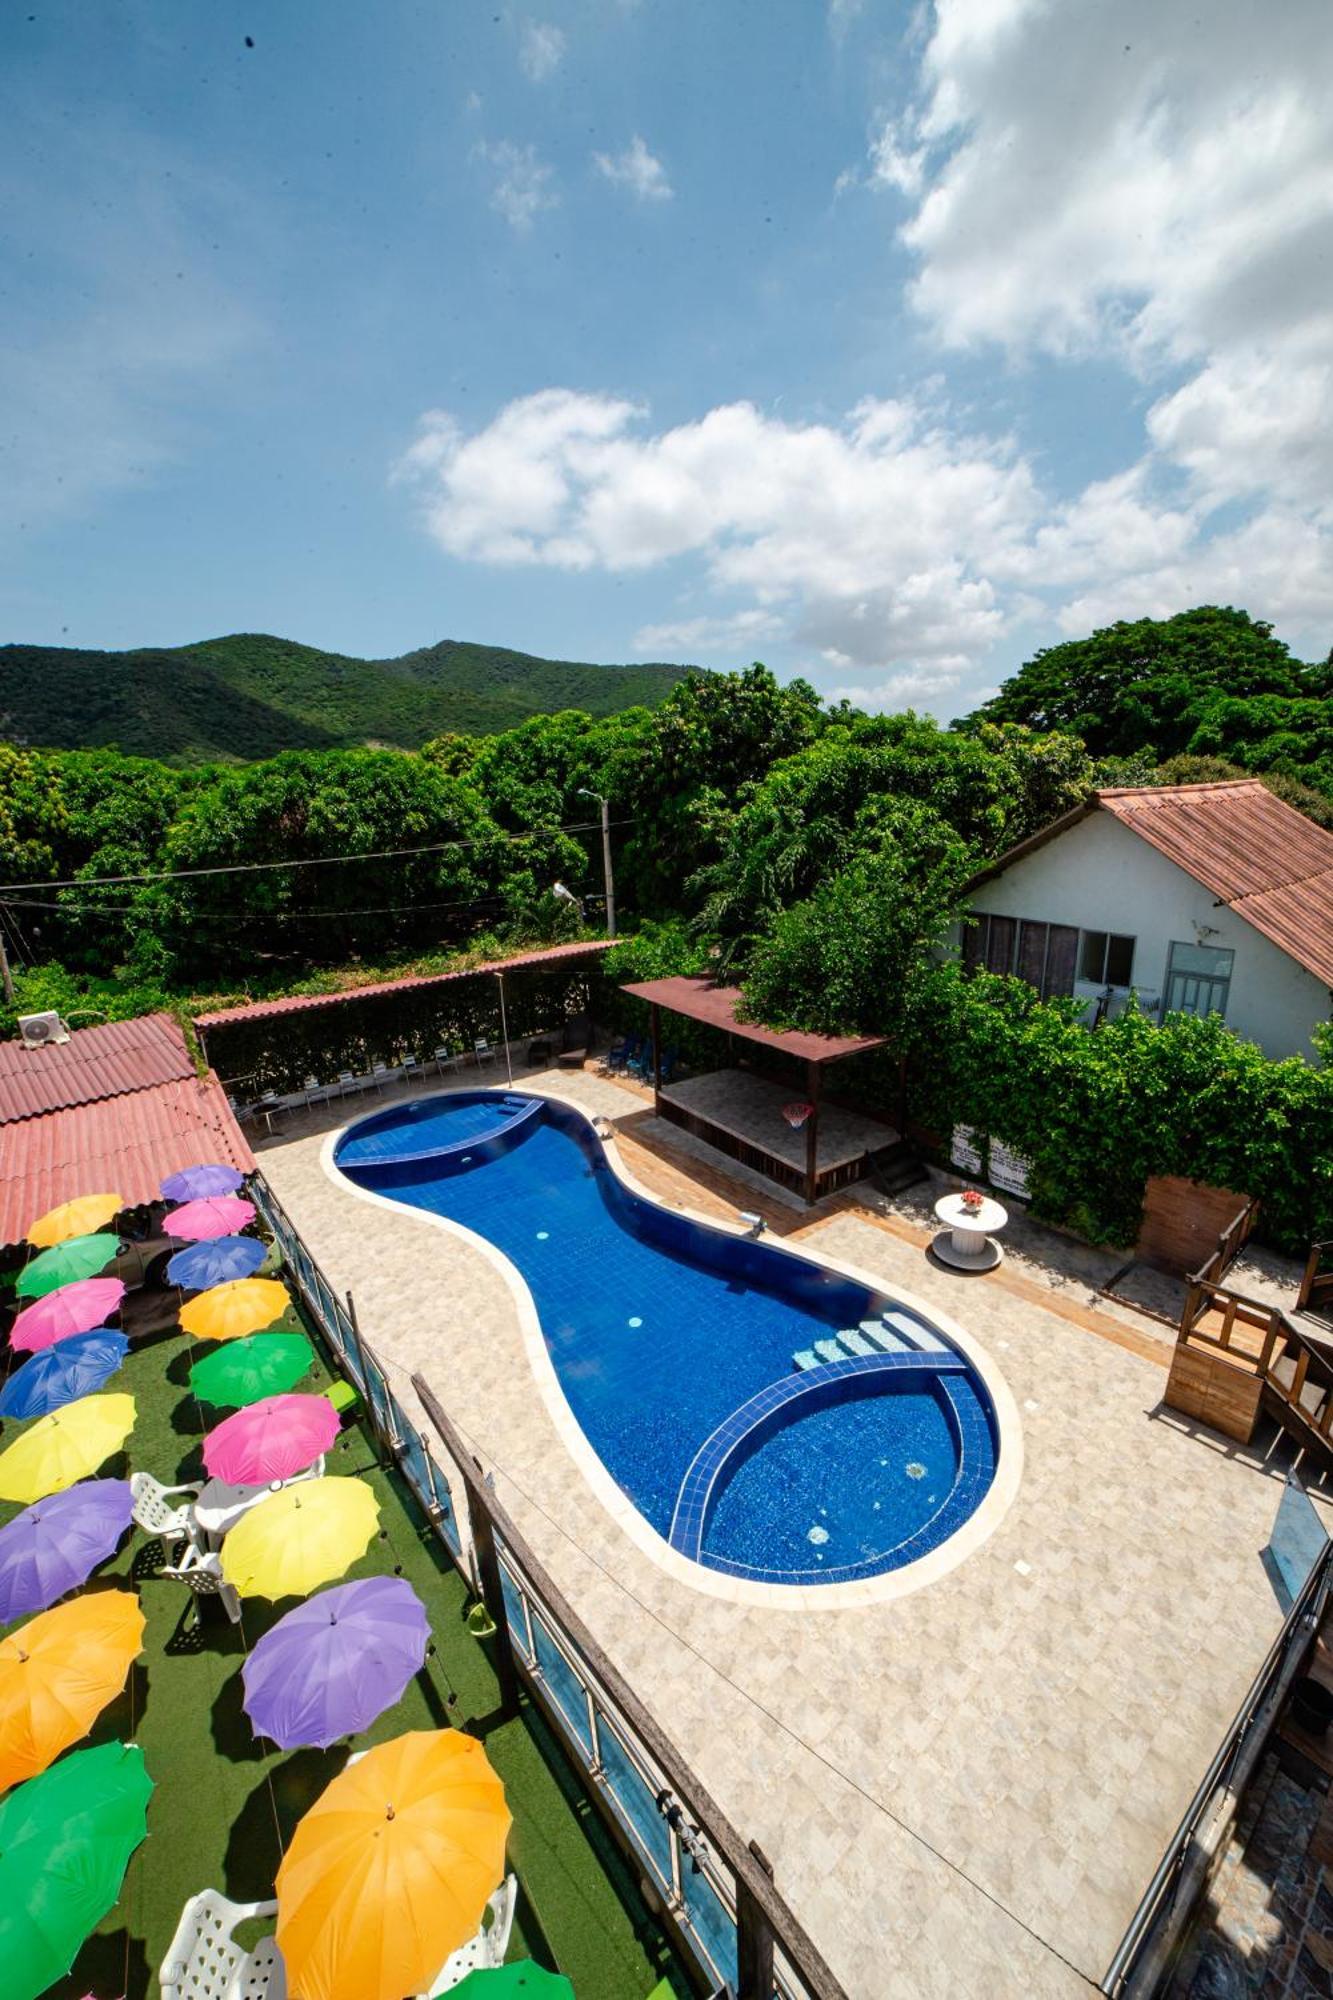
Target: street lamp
[{"x": 609, "y": 879}]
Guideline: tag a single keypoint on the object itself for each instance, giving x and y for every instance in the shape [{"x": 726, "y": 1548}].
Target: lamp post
[
  {"x": 608, "y": 877},
  {"x": 504, "y": 1029}
]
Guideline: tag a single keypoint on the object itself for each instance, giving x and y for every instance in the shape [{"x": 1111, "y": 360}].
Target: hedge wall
[
  {"x": 279, "y": 1051},
  {"x": 1097, "y": 1113}
]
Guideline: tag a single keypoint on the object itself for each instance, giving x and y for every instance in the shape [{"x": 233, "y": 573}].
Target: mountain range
[{"x": 250, "y": 695}]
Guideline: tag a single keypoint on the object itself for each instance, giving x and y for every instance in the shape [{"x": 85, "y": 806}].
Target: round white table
[
  {"x": 965, "y": 1240},
  {"x": 220, "y": 1505}
]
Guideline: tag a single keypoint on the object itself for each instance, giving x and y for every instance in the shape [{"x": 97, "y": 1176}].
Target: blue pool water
[{"x": 660, "y": 1330}]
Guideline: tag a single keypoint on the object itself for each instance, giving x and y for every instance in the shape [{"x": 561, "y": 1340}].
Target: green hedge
[
  {"x": 1097, "y": 1113},
  {"x": 279, "y": 1051}
]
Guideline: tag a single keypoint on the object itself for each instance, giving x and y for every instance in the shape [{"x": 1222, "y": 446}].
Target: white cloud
[
  {"x": 521, "y": 183},
  {"x": 737, "y": 633},
  {"x": 541, "y": 50},
  {"x": 898, "y": 691},
  {"x": 636, "y": 169}
]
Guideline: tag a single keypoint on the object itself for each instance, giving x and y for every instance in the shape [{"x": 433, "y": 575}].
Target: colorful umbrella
[
  {"x": 299, "y": 1538},
  {"x": 391, "y": 1868},
  {"x": 336, "y": 1662},
  {"x": 63, "y": 1373},
  {"x": 215, "y": 1215},
  {"x": 65, "y": 1842},
  {"x": 521, "y": 1979},
  {"x": 231, "y": 1311},
  {"x": 79, "y": 1257},
  {"x": 214, "y": 1263},
  {"x": 241, "y": 1373},
  {"x": 57, "y": 1674},
  {"x": 55, "y": 1546},
  {"x": 74, "y": 1308},
  {"x": 272, "y": 1440},
  {"x": 74, "y": 1218},
  {"x": 198, "y": 1183},
  {"x": 65, "y": 1446}
]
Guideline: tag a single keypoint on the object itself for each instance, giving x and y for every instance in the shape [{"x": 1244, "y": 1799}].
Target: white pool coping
[{"x": 892, "y": 1584}]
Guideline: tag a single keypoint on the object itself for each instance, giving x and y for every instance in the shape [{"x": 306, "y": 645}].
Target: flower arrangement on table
[{"x": 972, "y": 1199}]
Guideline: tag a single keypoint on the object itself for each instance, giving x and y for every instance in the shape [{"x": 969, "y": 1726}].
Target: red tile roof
[
  {"x": 699, "y": 1000},
  {"x": 297, "y": 1003},
  {"x": 94, "y": 1063},
  {"x": 1258, "y": 855},
  {"x": 118, "y": 1106}
]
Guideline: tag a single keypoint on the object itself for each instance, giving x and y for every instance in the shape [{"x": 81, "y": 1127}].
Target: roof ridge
[{"x": 1174, "y": 791}]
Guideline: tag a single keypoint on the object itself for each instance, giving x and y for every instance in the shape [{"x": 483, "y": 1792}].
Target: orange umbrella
[
  {"x": 389, "y": 1871},
  {"x": 241, "y": 1306},
  {"x": 57, "y": 1674},
  {"x": 74, "y": 1218}
]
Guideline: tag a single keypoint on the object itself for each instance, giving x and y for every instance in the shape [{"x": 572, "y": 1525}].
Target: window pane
[
  {"x": 974, "y": 944},
  {"x": 1205, "y": 958},
  {"x": 1092, "y": 965},
  {"x": 1032, "y": 954},
  {"x": 1000, "y": 945},
  {"x": 1061, "y": 954},
  {"x": 1120, "y": 961}
]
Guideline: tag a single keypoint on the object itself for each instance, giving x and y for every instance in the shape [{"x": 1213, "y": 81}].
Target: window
[
  {"x": 1198, "y": 979},
  {"x": 1042, "y": 954},
  {"x": 1106, "y": 959}
]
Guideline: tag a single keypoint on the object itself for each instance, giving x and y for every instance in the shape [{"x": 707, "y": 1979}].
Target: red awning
[{"x": 715, "y": 1006}]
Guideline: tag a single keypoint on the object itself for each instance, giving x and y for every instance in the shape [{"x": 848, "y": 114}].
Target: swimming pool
[{"x": 769, "y": 1417}]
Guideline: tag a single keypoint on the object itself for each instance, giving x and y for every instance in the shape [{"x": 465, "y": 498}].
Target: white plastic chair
[
  {"x": 484, "y": 1053},
  {"x": 204, "y": 1962},
  {"x": 150, "y": 1509},
  {"x": 486, "y": 1949},
  {"x": 202, "y": 1576},
  {"x": 444, "y": 1058}
]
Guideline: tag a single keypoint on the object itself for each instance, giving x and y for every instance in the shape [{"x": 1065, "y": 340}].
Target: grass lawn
[{"x": 225, "y": 1805}]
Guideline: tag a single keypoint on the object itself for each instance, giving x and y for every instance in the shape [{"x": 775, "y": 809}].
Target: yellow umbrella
[
  {"x": 389, "y": 1871},
  {"x": 83, "y": 1217},
  {"x": 57, "y": 1674},
  {"x": 299, "y": 1537},
  {"x": 230, "y": 1311},
  {"x": 67, "y": 1445}
]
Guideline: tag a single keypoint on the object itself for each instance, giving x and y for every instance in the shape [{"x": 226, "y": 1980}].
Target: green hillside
[{"x": 250, "y": 695}]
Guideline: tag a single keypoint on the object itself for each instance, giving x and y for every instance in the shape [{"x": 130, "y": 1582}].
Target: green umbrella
[
  {"x": 80, "y": 1257},
  {"x": 65, "y": 1842},
  {"x": 264, "y": 1364},
  {"x": 521, "y": 1979}
]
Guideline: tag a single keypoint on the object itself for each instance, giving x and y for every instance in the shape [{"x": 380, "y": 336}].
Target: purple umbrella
[
  {"x": 336, "y": 1662},
  {"x": 197, "y": 1183},
  {"x": 57, "y": 1544}
]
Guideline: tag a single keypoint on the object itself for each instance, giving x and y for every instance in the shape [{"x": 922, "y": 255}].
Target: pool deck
[{"x": 963, "y": 1792}]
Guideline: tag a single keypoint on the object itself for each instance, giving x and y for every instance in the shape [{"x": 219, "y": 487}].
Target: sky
[{"x": 881, "y": 343}]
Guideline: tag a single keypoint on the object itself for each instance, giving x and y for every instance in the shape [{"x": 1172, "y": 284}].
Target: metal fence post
[
  {"x": 492, "y": 1589},
  {"x": 754, "y": 1938}
]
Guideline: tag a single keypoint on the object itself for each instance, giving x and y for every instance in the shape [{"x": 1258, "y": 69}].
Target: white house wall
[{"x": 1099, "y": 876}]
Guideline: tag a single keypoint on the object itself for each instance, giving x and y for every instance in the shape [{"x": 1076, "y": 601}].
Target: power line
[
  {"x": 117, "y": 910},
  {"x": 312, "y": 861}
]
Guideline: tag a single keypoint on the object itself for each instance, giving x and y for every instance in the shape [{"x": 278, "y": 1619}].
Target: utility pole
[
  {"x": 6, "y": 976},
  {"x": 608, "y": 878}
]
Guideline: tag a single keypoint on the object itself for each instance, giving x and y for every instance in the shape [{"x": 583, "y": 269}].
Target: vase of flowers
[{"x": 972, "y": 1199}]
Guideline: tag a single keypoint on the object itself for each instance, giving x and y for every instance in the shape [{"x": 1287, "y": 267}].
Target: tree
[{"x": 1128, "y": 686}]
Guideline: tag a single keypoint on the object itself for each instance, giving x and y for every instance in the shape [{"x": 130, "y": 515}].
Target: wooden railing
[
  {"x": 1281, "y": 1341},
  {"x": 1229, "y": 1245},
  {"x": 1316, "y": 1292}
]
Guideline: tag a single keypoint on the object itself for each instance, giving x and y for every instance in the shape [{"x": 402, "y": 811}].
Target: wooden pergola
[{"x": 718, "y": 1007}]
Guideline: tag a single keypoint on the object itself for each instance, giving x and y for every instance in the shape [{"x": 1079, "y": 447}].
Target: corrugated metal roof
[
  {"x": 1258, "y": 855},
  {"x": 298, "y": 1003},
  {"x": 129, "y": 1143},
  {"x": 95, "y": 1063},
  {"x": 699, "y": 1000}
]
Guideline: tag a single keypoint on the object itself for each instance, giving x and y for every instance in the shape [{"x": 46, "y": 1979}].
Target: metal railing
[
  {"x": 1155, "y": 1932},
  {"x": 715, "y": 1891}
]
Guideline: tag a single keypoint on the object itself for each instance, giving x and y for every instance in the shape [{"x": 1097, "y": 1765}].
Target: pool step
[{"x": 896, "y": 1333}]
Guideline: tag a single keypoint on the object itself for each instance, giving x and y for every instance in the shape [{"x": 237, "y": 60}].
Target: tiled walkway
[{"x": 964, "y": 1792}]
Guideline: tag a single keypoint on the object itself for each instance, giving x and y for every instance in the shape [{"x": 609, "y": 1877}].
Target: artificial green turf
[{"x": 223, "y": 1809}]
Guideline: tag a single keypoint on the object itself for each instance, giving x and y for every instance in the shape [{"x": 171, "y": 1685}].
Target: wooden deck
[{"x": 740, "y": 1113}]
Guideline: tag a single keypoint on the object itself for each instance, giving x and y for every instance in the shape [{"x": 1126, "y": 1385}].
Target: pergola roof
[{"x": 716, "y": 1007}]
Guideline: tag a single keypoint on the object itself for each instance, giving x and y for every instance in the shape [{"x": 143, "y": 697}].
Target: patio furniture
[
  {"x": 316, "y": 1092},
  {"x": 539, "y": 1051},
  {"x": 201, "y": 1573},
  {"x": 269, "y": 1107},
  {"x": 151, "y": 1509},
  {"x": 220, "y": 1505},
  {"x": 484, "y": 1054},
  {"x": 615, "y": 1056},
  {"x": 346, "y": 1082},
  {"x": 346, "y": 1400},
  {"x": 204, "y": 1962},
  {"x": 380, "y": 1075},
  {"x": 444, "y": 1058},
  {"x": 486, "y": 1949},
  {"x": 965, "y": 1243},
  {"x": 409, "y": 1069}
]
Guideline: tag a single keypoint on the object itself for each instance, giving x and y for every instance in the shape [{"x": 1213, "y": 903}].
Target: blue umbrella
[
  {"x": 61, "y": 1374},
  {"x": 215, "y": 1263}
]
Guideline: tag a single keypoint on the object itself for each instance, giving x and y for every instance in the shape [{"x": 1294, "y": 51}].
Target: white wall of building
[{"x": 1101, "y": 877}]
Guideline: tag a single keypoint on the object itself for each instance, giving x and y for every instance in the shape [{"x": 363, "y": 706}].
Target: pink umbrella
[
  {"x": 76, "y": 1308},
  {"x": 272, "y": 1439},
  {"x": 217, "y": 1215}
]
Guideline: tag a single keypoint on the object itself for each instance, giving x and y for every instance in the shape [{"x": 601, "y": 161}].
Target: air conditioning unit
[{"x": 37, "y": 1030}]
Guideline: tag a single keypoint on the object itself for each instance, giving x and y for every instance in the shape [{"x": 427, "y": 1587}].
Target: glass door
[{"x": 1198, "y": 979}]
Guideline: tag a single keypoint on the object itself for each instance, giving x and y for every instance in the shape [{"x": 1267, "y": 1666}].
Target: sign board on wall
[
  {"x": 965, "y": 1149},
  {"x": 1009, "y": 1171}
]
